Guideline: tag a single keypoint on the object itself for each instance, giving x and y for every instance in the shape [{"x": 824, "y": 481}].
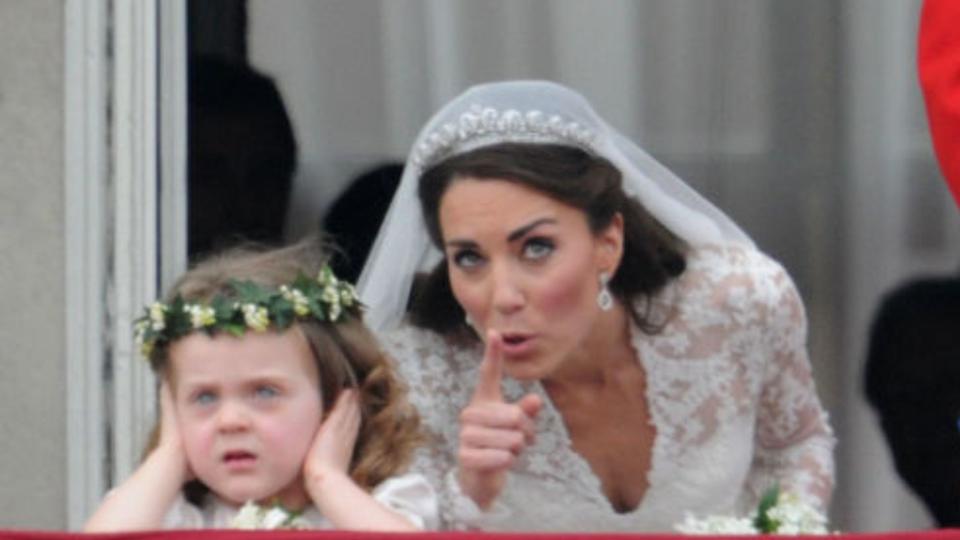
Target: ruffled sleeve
[
  {"x": 411, "y": 496},
  {"x": 183, "y": 515}
]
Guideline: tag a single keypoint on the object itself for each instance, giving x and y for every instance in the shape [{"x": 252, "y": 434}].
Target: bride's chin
[{"x": 527, "y": 370}]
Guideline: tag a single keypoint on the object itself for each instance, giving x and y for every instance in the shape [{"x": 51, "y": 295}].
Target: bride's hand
[{"x": 493, "y": 432}]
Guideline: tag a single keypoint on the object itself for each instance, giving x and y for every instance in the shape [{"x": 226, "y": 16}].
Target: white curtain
[{"x": 801, "y": 119}]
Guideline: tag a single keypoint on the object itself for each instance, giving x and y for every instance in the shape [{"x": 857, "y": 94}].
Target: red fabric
[
  {"x": 938, "y": 65},
  {"x": 943, "y": 534}
]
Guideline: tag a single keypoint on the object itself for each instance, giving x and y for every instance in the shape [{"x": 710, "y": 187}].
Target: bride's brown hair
[
  {"x": 652, "y": 255},
  {"x": 345, "y": 352}
]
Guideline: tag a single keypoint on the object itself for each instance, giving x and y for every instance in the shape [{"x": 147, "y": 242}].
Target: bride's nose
[{"x": 506, "y": 290}]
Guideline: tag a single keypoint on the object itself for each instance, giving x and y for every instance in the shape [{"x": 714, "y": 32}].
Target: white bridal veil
[{"x": 520, "y": 111}]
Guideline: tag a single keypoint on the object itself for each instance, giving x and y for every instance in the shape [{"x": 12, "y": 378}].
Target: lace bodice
[{"x": 729, "y": 390}]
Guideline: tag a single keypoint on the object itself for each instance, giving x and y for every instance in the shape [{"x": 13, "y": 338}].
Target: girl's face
[
  {"x": 247, "y": 409},
  {"x": 528, "y": 266}
]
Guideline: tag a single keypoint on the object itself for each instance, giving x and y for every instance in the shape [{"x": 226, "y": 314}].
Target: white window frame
[{"x": 125, "y": 234}]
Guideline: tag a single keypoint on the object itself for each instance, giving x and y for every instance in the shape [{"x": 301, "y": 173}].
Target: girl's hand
[
  {"x": 493, "y": 432},
  {"x": 170, "y": 444},
  {"x": 326, "y": 474},
  {"x": 141, "y": 502},
  {"x": 332, "y": 447}
]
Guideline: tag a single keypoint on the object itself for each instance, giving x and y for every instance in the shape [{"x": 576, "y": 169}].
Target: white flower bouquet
[{"x": 778, "y": 513}]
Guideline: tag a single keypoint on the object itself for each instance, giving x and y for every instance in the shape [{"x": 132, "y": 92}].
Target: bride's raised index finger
[{"x": 491, "y": 370}]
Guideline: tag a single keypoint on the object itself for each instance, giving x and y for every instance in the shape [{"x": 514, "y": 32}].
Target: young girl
[{"x": 278, "y": 408}]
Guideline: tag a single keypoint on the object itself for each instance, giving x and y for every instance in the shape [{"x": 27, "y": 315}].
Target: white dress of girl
[{"x": 410, "y": 495}]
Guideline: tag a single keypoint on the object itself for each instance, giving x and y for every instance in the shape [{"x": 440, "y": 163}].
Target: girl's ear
[{"x": 610, "y": 246}]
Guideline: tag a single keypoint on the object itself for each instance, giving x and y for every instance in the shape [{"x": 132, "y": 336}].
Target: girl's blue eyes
[
  {"x": 266, "y": 392},
  {"x": 204, "y": 398},
  {"x": 207, "y": 397}
]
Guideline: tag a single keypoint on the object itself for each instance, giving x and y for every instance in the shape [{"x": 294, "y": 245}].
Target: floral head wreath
[{"x": 251, "y": 306}]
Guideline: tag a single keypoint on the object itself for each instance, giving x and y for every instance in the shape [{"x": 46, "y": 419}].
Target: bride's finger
[
  {"x": 484, "y": 437},
  {"x": 491, "y": 370}
]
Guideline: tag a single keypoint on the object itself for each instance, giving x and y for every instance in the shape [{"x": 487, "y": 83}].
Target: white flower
[
  {"x": 331, "y": 297},
  {"x": 252, "y": 516},
  {"x": 326, "y": 278},
  {"x": 200, "y": 316},
  {"x": 157, "y": 316},
  {"x": 335, "y": 312},
  {"x": 297, "y": 298},
  {"x": 348, "y": 294},
  {"x": 796, "y": 516},
  {"x": 140, "y": 338},
  {"x": 715, "y": 525},
  {"x": 274, "y": 518},
  {"x": 256, "y": 317},
  {"x": 140, "y": 331},
  {"x": 790, "y": 515},
  {"x": 249, "y": 517}
]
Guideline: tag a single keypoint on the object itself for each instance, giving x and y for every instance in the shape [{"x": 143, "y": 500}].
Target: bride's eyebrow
[
  {"x": 517, "y": 233},
  {"x": 461, "y": 244},
  {"x": 520, "y": 232}
]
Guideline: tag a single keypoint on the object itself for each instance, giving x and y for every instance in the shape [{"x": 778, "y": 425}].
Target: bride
[{"x": 591, "y": 345}]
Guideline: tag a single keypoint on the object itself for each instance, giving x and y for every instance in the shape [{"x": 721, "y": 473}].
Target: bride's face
[{"x": 528, "y": 266}]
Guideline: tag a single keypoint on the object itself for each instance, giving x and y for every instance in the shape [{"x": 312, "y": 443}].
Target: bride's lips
[
  {"x": 238, "y": 460},
  {"x": 516, "y": 344}
]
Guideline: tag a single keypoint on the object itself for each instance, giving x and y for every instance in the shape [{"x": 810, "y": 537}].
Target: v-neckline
[{"x": 580, "y": 470}]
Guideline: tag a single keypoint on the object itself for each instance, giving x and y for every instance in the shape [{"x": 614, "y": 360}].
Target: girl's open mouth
[{"x": 239, "y": 459}]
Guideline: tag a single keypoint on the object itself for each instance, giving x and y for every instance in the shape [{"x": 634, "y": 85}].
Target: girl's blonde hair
[{"x": 346, "y": 354}]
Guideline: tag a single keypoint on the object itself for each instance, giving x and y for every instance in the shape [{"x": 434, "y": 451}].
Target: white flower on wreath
[
  {"x": 348, "y": 294},
  {"x": 331, "y": 297},
  {"x": 200, "y": 316},
  {"x": 296, "y": 297},
  {"x": 256, "y": 317},
  {"x": 140, "y": 338},
  {"x": 158, "y": 321}
]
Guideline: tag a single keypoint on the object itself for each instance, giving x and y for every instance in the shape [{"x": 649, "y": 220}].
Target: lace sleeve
[
  {"x": 793, "y": 441},
  {"x": 440, "y": 379}
]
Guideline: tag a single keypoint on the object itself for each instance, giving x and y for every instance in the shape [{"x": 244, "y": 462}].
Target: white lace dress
[
  {"x": 730, "y": 394},
  {"x": 410, "y": 495}
]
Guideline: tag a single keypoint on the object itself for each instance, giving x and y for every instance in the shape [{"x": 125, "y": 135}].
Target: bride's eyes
[
  {"x": 467, "y": 258},
  {"x": 537, "y": 248}
]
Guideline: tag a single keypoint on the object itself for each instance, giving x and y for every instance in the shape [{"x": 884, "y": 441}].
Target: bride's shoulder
[
  {"x": 735, "y": 276},
  {"x": 409, "y": 336},
  {"x": 415, "y": 348},
  {"x": 730, "y": 258}
]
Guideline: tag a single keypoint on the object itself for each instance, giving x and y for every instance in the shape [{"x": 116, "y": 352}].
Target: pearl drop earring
[{"x": 604, "y": 297}]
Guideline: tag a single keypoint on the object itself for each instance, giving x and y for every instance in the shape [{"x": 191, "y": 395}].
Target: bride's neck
[{"x": 605, "y": 352}]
